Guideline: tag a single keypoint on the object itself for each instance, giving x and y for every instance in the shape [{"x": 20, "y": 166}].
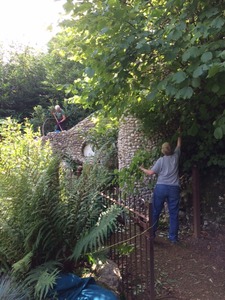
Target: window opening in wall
[{"x": 88, "y": 150}]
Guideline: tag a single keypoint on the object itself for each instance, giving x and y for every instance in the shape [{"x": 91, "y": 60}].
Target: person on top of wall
[
  {"x": 60, "y": 118},
  {"x": 167, "y": 187}
]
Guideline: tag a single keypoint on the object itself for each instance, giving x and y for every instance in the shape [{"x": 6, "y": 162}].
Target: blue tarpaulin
[{"x": 72, "y": 287}]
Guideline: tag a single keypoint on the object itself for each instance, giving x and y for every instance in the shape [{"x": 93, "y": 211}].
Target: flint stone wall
[
  {"x": 130, "y": 139},
  {"x": 71, "y": 142}
]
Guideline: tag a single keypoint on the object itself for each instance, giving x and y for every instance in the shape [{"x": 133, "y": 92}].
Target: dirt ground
[{"x": 193, "y": 269}]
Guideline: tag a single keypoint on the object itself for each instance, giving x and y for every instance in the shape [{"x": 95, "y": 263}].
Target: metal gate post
[
  {"x": 196, "y": 201},
  {"x": 151, "y": 247}
]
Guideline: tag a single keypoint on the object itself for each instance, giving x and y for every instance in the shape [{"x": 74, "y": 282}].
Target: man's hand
[{"x": 146, "y": 171}]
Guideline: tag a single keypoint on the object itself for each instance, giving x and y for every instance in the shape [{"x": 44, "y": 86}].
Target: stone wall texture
[
  {"x": 130, "y": 139},
  {"x": 71, "y": 142}
]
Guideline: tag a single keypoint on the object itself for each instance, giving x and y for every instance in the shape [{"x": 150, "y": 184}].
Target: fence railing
[{"x": 132, "y": 245}]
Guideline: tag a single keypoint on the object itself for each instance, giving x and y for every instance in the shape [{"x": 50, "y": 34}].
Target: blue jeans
[{"x": 171, "y": 194}]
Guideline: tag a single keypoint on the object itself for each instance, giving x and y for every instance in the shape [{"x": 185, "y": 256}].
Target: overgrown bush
[
  {"x": 22, "y": 160},
  {"x": 49, "y": 219}
]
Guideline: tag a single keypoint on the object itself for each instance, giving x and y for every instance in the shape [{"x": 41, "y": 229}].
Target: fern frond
[
  {"x": 42, "y": 215},
  {"x": 43, "y": 278},
  {"x": 97, "y": 234},
  {"x": 22, "y": 266},
  {"x": 45, "y": 282}
]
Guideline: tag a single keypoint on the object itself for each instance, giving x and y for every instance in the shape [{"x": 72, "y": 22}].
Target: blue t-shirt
[{"x": 166, "y": 167}]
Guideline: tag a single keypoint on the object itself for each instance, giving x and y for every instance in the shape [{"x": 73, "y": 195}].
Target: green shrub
[{"x": 49, "y": 221}]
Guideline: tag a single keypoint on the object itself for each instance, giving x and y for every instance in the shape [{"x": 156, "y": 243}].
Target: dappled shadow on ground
[{"x": 193, "y": 269}]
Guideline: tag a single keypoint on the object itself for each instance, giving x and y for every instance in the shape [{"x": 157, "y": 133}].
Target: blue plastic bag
[{"x": 72, "y": 287}]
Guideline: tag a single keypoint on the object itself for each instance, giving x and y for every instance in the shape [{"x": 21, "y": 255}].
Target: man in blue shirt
[{"x": 167, "y": 187}]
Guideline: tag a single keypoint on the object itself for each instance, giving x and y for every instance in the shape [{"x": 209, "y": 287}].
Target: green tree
[
  {"x": 33, "y": 82},
  {"x": 21, "y": 85},
  {"x": 61, "y": 72},
  {"x": 160, "y": 60}
]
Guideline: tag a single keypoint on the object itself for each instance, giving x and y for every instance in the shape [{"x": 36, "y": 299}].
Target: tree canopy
[
  {"x": 22, "y": 74},
  {"x": 32, "y": 82},
  {"x": 160, "y": 60}
]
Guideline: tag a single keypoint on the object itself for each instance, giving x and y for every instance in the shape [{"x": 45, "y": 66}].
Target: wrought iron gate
[{"x": 132, "y": 246}]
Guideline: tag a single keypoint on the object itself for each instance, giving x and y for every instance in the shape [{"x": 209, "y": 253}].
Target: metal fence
[{"x": 132, "y": 246}]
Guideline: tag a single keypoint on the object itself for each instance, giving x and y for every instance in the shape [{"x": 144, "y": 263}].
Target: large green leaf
[
  {"x": 210, "y": 12},
  {"x": 185, "y": 93},
  {"x": 207, "y": 56},
  {"x": 200, "y": 70},
  {"x": 191, "y": 52},
  {"x": 179, "y": 77},
  {"x": 218, "y": 22},
  {"x": 171, "y": 90},
  {"x": 218, "y": 133}
]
